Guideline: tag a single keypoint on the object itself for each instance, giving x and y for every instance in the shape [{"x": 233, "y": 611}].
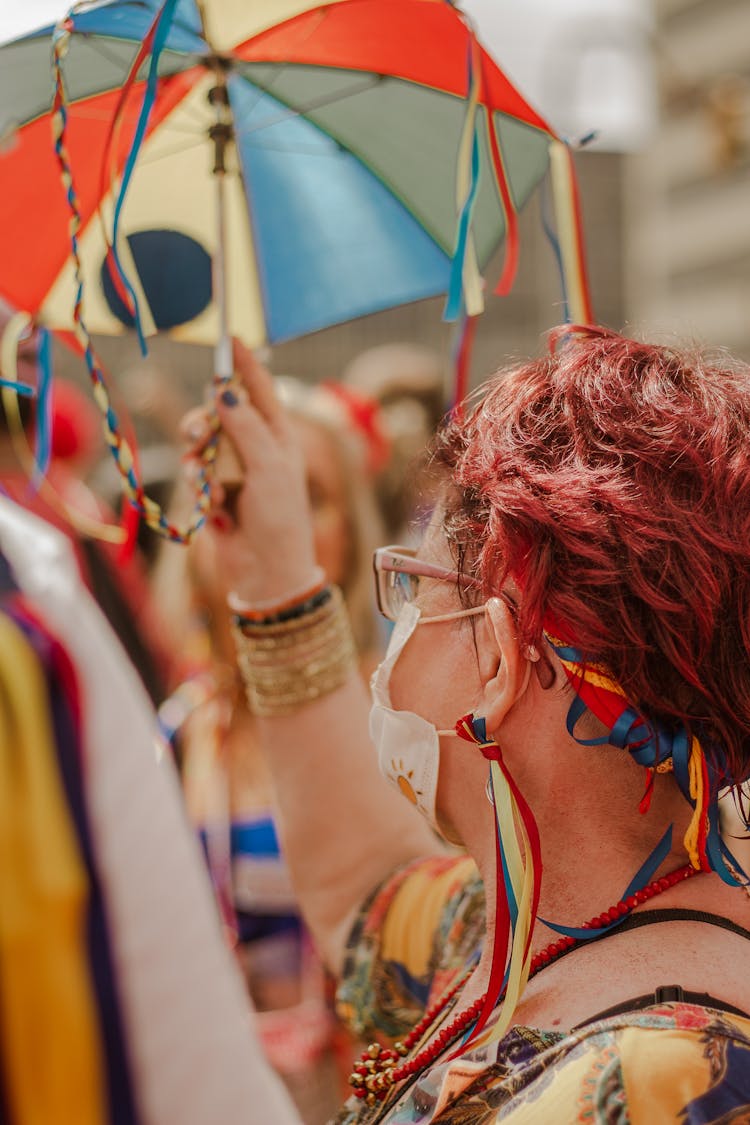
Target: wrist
[{"x": 289, "y": 596}]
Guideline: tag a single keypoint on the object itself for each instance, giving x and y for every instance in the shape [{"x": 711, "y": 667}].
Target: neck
[{"x": 590, "y": 854}]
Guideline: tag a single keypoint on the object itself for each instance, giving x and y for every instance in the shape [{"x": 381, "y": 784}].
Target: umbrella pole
[
  {"x": 228, "y": 468},
  {"x": 221, "y": 133}
]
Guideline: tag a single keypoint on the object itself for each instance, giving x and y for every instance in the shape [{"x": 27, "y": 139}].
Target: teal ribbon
[
  {"x": 160, "y": 38},
  {"x": 43, "y": 434}
]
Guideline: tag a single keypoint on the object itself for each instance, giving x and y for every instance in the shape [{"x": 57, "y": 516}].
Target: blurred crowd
[{"x": 363, "y": 436}]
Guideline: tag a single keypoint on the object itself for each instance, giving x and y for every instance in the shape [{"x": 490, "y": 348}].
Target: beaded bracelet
[
  {"x": 268, "y": 611},
  {"x": 299, "y": 609},
  {"x": 288, "y": 663}
]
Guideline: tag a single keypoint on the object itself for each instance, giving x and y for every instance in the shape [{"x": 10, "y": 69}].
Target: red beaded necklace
[{"x": 380, "y": 1068}]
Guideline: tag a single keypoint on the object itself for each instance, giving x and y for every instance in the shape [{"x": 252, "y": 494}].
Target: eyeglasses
[{"x": 397, "y": 576}]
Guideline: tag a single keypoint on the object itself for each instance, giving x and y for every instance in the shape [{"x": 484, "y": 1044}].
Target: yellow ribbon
[
  {"x": 569, "y": 235},
  {"x": 695, "y": 776}
]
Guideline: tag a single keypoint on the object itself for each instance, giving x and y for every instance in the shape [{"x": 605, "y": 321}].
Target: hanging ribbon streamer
[
  {"x": 154, "y": 42},
  {"x": 462, "y": 363},
  {"x": 465, "y": 286},
  {"x": 43, "y": 442},
  {"x": 107, "y": 182},
  {"x": 518, "y": 860},
  {"x": 549, "y": 230},
  {"x": 119, "y": 447},
  {"x": 505, "y": 196},
  {"x": 570, "y": 232},
  {"x": 517, "y": 831}
]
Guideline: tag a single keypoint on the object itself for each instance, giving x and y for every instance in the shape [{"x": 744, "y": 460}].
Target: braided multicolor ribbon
[{"x": 118, "y": 445}]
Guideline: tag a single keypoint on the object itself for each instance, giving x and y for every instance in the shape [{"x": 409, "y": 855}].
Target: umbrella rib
[
  {"x": 302, "y": 111},
  {"x": 96, "y": 43},
  {"x": 301, "y": 40}
]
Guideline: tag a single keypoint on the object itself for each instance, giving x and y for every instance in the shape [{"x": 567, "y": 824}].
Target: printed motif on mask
[{"x": 408, "y": 746}]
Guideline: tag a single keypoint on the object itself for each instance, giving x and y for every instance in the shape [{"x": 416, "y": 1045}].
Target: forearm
[{"x": 343, "y": 827}]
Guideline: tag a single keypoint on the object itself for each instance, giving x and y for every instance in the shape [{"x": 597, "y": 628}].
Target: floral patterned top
[{"x": 671, "y": 1064}]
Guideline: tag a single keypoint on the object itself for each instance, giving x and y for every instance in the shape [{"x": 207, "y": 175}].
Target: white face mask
[{"x": 408, "y": 746}]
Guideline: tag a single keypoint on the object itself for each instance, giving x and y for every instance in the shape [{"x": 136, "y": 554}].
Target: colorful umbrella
[
  {"x": 326, "y": 160},
  {"x": 341, "y": 200}
]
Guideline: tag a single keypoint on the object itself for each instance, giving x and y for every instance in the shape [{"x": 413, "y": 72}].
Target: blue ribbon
[
  {"x": 455, "y": 301},
  {"x": 642, "y": 878},
  {"x": 43, "y": 436},
  {"x": 719, "y": 853},
  {"x": 20, "y": 388},
  {"x": 647, "y": 743}
]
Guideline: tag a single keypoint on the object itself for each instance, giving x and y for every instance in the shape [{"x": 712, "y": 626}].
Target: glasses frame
[{"x": 401, "y": 560}]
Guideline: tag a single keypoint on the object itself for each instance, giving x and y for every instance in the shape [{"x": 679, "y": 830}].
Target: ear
[{"x": 504, "y": 667}]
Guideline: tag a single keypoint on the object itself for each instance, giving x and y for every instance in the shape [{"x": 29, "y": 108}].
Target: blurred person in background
[
  {"x": 408, "y": 382},
  {"x": 65, "y": 498},
  {"x": 227, "y": 786}
]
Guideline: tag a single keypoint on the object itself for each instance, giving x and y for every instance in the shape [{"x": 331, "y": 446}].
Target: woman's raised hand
[{"x": 263, "y": 521}]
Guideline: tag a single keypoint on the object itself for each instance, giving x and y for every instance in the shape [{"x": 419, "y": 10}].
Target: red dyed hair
[{"x": 611, "y": 480}]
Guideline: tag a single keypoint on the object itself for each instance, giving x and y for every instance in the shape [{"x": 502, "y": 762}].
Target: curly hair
[{"x": 610, "y": 479}]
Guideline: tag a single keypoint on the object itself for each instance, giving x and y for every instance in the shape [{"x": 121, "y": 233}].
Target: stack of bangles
[{"x": 295, "y": 651}]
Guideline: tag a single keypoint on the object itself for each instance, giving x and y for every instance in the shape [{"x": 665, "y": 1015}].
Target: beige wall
[{"x": 688, "y": 193}]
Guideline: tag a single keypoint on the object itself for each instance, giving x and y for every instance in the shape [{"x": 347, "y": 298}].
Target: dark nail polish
[{"x": 229, "y": 398}]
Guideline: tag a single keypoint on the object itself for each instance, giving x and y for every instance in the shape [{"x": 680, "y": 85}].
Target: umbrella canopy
[{"x": 341, "y": 194}]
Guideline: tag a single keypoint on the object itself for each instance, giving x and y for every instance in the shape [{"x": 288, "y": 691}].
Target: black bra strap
[
  {"x": 665, "y": 994},
  {"x": 676, "y": 914}
]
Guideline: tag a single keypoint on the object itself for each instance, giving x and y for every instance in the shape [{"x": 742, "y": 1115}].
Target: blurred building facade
[{"x": 687, "y": 192}]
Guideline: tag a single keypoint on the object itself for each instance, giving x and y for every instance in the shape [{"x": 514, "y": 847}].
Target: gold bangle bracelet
[{"x": 285, "y": 666}]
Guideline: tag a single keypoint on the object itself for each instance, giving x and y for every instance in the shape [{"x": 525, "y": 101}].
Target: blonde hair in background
[{"x": 320, "y": 407}]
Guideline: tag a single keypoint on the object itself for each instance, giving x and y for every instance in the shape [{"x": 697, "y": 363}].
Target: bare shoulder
[{"x": 699, "y": 956}]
